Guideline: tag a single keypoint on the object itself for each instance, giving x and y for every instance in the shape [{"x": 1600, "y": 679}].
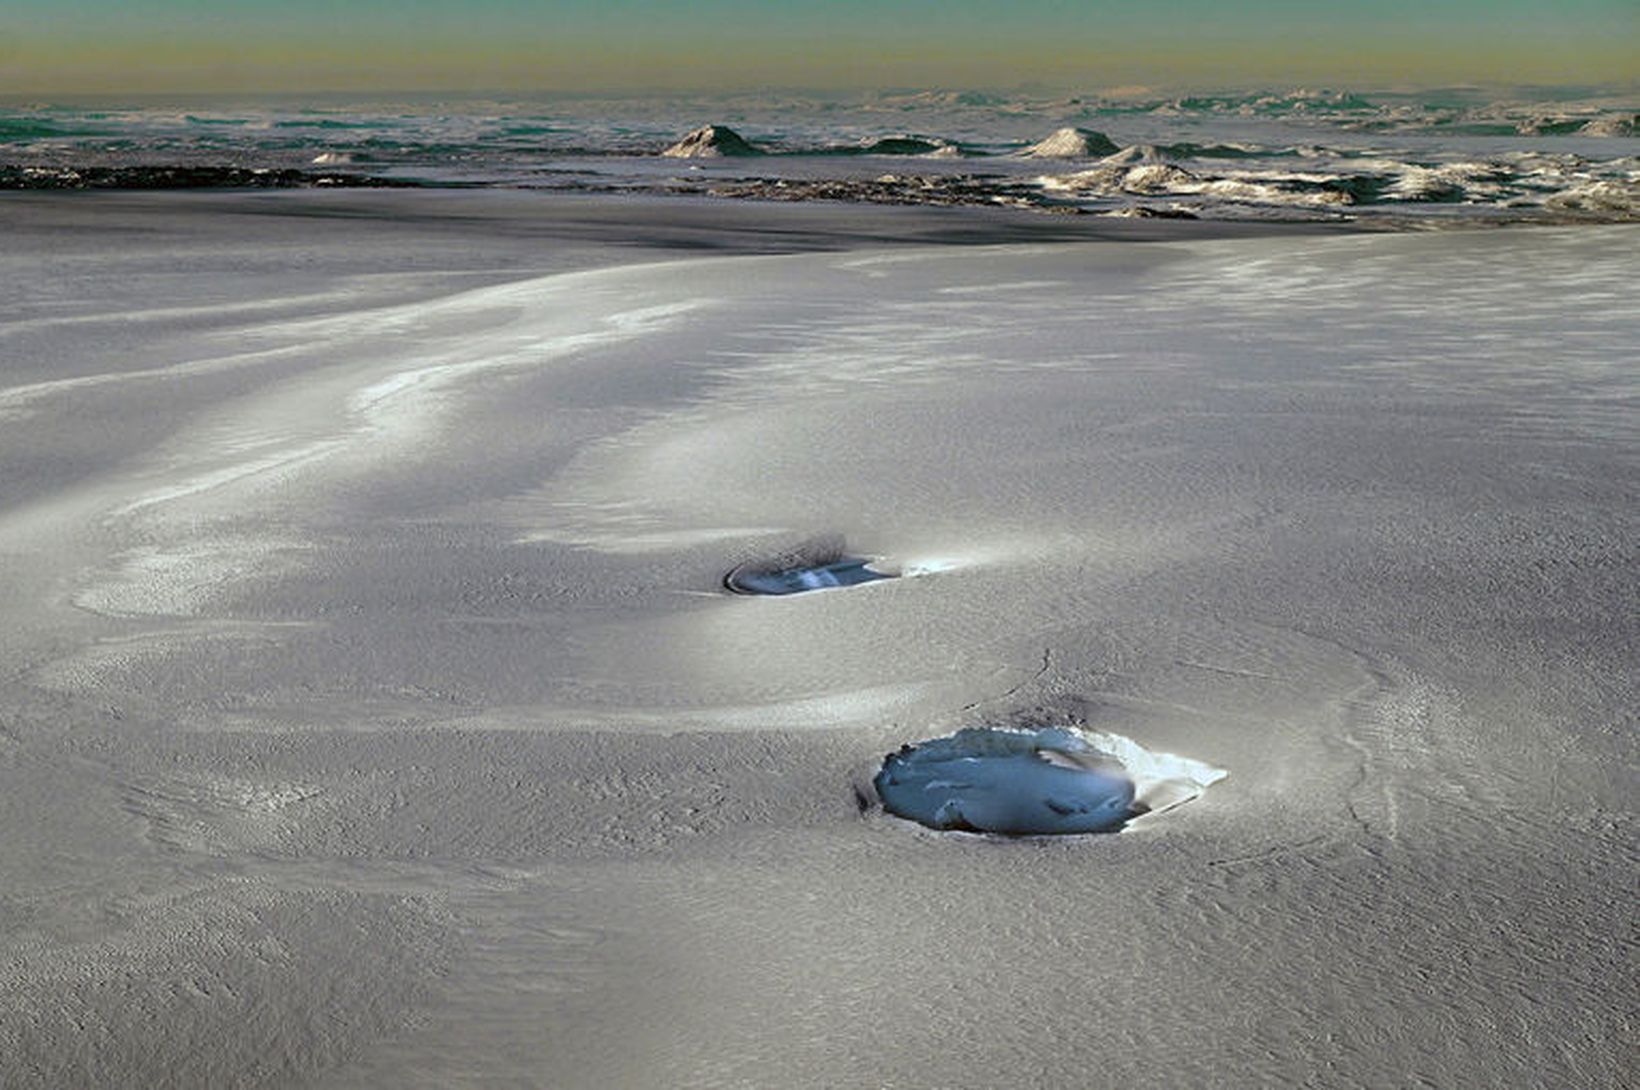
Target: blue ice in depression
[
  {"x": 847, "y": 571},
  {"x": 1041, "y": 781}
]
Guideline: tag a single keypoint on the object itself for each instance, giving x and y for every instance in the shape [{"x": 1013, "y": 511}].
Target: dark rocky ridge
[{"x": 186, "y": 177}]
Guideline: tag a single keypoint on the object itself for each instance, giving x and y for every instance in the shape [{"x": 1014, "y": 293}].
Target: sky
[{"x": 136, "y": 46}]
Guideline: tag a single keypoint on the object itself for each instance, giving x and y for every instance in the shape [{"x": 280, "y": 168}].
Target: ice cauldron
[{"x": 1034, "y": 781}]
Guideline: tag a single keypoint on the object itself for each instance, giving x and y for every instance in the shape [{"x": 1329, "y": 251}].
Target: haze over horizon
[{"x": 179, "y": 46}]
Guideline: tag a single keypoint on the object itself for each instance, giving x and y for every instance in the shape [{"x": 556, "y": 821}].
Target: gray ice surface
[{"x": 372, "y": 714}]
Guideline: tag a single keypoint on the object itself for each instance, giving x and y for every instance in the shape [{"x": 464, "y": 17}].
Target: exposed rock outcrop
[{"x": 711, "y": 142}]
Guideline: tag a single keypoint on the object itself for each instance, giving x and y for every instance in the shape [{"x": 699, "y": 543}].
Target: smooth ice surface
[
  {"x": 846, "y": 572},
  {"x": 1017, "y": 782},
  {"x": 372, "y": 713},
  {"x": 1034, "y": 780}
]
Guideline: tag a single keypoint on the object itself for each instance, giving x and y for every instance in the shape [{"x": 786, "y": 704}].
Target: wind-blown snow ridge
[{"x": 1570, "y": 189}]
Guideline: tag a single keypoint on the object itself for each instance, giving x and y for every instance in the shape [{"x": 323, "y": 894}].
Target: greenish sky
[{"x": 65, "y": 46}]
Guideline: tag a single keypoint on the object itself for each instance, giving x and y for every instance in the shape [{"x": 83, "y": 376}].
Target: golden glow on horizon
[{"x": 408, "y": 63}]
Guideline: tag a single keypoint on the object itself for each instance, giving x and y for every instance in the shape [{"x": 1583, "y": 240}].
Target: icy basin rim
[{"x": 1034, "y": 781}]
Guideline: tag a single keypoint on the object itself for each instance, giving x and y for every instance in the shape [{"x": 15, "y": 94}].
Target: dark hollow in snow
[{"x": 844, "y": 571}]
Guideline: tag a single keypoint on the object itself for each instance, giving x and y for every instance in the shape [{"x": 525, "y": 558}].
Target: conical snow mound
[
  {"x": 1071, "y": 143},
  {"x": 710, "y": 142}
]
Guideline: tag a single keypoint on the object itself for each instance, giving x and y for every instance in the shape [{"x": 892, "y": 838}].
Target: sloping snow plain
[{"x": 373, "y": 711}]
